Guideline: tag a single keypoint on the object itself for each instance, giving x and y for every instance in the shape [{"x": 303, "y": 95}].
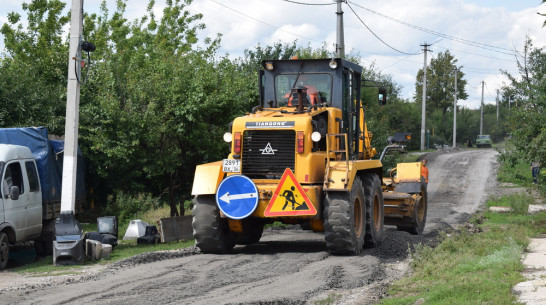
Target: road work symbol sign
[
  {"x": 237, "y": 196},
  {"x": 289, "y": 198}
]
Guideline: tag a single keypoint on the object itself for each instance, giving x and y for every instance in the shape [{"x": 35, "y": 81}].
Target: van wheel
[
  {"x": 4, "y": 250},
  {"x": 344, "y": 220},
  {"x": 210, "y": 231}
]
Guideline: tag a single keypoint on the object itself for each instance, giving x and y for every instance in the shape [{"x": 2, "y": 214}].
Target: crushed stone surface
[{"x": 287, "y": 266}]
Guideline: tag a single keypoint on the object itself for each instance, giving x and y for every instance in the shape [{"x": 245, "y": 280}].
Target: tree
[
  {"x": 526, "y": 122},
  {"x": 440, "y": 83},
  {"x": 33, "y": 67},
  {"x": 158, "y": 105}
]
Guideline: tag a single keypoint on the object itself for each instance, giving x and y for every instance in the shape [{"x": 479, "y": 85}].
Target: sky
[{"x": 481, "y": 34}]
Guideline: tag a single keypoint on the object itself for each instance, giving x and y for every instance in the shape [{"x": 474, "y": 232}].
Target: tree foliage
[
  {"x": 526, "y": 121},
  {"x": 441, "y": 83},
  {"x": 33, "y": 67}
]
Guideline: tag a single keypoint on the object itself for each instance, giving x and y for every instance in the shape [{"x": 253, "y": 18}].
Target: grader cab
[{"x": 303, "y": 156}]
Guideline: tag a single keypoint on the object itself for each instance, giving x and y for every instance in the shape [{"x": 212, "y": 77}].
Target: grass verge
[{"x": 478, "y": 264}]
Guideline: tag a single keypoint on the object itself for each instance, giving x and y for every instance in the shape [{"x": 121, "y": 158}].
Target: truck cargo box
[{"x": 49, "y": 160}]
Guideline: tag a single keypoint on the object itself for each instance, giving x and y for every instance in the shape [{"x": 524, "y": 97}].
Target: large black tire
[
  {"x": 252, "y": 232},
  {"x": 210, "y": 231},
  {"x": 373, "y": 195},
  {"x": 416, "y": 224},
  {"x": 4, "y": 250},
  {"x": 344, "y": 220}
]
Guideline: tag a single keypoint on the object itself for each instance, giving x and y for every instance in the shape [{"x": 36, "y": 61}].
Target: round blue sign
[{"x": 237, "y": 196}]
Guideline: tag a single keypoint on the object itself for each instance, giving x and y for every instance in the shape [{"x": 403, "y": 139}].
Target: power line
[
  {"x": 504, "y": 59},
  {"x": 388, "y": 45},
  {"x": 303, "y": 3},
  {"x": 461, "y": 40},
  {"x": 275, "y": 27},
  {"x": 270, "y": 25}
]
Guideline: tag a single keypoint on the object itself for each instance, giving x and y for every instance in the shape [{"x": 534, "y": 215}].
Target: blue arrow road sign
[{"x": 237, "y": 196}]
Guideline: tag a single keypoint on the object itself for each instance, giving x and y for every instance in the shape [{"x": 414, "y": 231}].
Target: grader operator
[{"x": 304, "y": 155}]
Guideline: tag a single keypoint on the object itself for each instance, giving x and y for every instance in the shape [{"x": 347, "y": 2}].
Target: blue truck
[{"x": 31, "y": 180}]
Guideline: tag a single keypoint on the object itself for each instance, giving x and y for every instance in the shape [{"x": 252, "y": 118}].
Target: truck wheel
[
  {"x": 374, "y": 210},
  {"x": 252, "y": 232},
  {"x": 417, "y": 224},
  {"x": 344, "y": 224},
  {"x": 211, "y": 232},
  {"x": 4, "y": 250}
]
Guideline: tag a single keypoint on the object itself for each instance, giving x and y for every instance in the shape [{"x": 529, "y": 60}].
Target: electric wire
[
  {"x": 460, "y": 40},
  {"x": 255, "y": 19},
  {"x": 470, "y": 53},
  {"x": 303, "y": 3},
  {"x": 280, "y": 29},
  {"x": 388, "y": 45}
]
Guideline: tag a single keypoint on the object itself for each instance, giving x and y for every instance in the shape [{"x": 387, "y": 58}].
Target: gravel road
[{"x": 288, "y": 266}]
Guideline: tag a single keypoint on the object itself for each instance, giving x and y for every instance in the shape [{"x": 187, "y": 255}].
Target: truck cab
[{"x": 21, "y": 196}]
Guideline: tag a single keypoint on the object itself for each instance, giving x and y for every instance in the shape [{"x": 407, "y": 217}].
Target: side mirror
[
  {"x": 14, "y": 193},
  {"x": 382, "y": 97}
]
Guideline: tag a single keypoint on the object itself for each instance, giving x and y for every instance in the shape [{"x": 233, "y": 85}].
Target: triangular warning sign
[{"x": 289, "y": 198}]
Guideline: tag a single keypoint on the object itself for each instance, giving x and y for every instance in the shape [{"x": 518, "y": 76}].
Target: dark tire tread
[{"x": 210, "y": 231}]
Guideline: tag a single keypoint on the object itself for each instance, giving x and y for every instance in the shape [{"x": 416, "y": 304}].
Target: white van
[{"x": 21, "y": 198}]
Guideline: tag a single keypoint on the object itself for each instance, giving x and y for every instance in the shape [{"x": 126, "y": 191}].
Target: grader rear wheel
[
  {"x": 344, "y": 220},
  {"x": 211, "y": 232},
  {"x": 374, "y": 210}
]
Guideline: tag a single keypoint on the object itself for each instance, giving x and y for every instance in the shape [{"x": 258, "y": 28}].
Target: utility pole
[
  {"x": 424, "y": 104},
  {"x": 481, "y": 111},
  {"x": 455, "y": 111},
  {"x": 70, "y": 159},
  {"x": 340, "y": 40}
]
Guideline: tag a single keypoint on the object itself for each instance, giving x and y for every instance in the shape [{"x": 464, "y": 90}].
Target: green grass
[{"x": 473, "y": 268}]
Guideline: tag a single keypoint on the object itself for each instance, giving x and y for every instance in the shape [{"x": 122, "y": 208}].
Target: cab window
[
  {"x": 12, "y": 177},
  {"x": 318, "y": 87},
  {"x": 33, "y": 184}
]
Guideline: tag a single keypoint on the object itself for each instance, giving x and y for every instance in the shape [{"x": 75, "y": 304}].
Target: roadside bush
[{"x": 127, "y": 207}]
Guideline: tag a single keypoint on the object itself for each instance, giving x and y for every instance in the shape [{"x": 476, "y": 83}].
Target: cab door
[
  {"x": 33, "y": 201},
  {"x": 15, "y": 212}
]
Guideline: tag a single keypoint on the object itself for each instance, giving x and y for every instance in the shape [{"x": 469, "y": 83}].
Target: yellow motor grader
[{"x": 304, "y": 156}]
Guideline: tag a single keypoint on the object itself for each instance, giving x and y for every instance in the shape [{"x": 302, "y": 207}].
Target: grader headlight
[
  {"x": 269, "y": 66},
  {"x": 315, "y": 136},
  {"x": 228, "y": 137}
]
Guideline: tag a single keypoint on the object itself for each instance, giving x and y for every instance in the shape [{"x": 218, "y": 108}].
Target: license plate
[{"x": 232, "y": 166}]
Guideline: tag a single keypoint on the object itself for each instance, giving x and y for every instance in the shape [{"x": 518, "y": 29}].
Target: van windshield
[{"x": 317, "y": 85}]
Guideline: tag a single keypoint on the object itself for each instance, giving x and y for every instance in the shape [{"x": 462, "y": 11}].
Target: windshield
[
  {"x": 318, "y": 85},
  {"x": 483, "y": 138}
]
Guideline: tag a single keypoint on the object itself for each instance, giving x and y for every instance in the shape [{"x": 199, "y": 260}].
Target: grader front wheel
[
  {"x": 344, "y": 220},
  {"x": 211, "y": 232}
]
